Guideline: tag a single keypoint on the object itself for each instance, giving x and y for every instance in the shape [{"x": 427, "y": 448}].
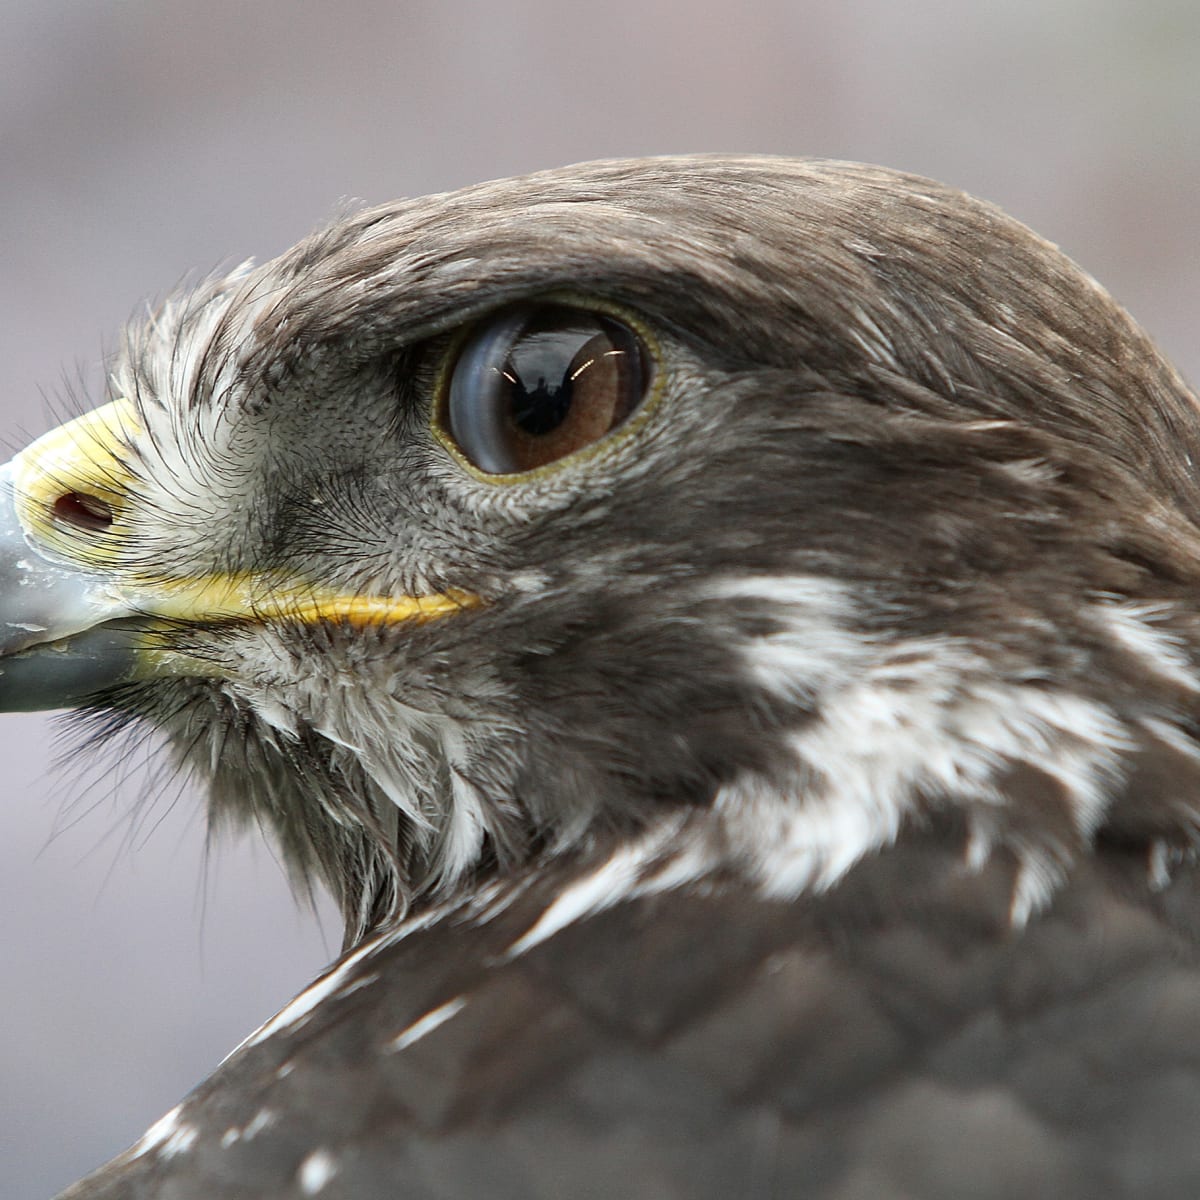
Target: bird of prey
[{"x": 724, "y": 630}]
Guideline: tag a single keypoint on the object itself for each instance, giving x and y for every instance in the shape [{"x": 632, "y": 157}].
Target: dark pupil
[
  {"x": 537, "y": 383},
  {"x": 540, "y": 370}
]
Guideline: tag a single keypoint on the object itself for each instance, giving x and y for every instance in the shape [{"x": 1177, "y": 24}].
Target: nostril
[{"x": 83, "y": 511}]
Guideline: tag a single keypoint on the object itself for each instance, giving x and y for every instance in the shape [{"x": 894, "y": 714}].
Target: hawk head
[{"x": 738, "y": 513}]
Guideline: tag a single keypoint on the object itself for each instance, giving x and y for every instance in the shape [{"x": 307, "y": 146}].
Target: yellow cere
[{"x": 83, "y": 457}]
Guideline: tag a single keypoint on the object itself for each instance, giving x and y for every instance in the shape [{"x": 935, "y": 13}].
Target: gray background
[{"x": 140, "y": 141}]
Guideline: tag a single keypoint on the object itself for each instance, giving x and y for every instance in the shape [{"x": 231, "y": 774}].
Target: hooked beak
[{"x": 76, "y": 615}]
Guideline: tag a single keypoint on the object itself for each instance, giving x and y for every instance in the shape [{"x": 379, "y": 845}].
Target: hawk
[{"x": 724, "y": 630}]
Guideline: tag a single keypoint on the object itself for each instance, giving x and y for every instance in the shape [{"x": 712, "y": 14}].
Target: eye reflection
[{"x": 539, "y": 382}]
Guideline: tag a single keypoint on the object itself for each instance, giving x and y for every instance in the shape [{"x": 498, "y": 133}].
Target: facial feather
[{"x": 911, "y": 502}]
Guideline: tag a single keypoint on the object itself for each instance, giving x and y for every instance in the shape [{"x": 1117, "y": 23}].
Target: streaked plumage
[{"x": 792, "y": 792}]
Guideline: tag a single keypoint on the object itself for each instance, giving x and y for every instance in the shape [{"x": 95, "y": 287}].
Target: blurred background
[{"x": 141, "y": 140}]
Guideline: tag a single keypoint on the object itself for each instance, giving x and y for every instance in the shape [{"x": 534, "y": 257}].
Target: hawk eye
[{"x": 538, "y": 382}]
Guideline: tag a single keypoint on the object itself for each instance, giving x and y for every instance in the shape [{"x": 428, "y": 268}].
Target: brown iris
[{"x": 536, "y": 383}]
